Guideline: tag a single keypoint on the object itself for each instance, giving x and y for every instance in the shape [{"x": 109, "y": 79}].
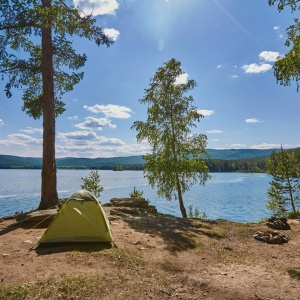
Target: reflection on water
[{"x": 233, "y": 196}]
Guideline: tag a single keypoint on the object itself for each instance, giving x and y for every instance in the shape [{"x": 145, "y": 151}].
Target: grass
[
  {"x": 294, "y": 273},
  {"x": 89, "y": 286},
  {"x": 228, "y": 256}
]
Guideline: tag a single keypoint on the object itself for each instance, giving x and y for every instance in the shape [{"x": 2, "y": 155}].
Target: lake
[{"x": 239, "y": 197}]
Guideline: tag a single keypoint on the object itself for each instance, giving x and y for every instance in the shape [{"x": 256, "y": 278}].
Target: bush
[
  {"x": 92, "y": 183},
  {"x": 136, "y": 194},
  {"x": 196, "y": 214}
]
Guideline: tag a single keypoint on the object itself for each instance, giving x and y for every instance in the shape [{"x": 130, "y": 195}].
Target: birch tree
[{"x": 175, "y": 162}]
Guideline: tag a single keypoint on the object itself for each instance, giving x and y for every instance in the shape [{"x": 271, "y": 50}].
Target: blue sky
[{"x": 227, "y": 46}]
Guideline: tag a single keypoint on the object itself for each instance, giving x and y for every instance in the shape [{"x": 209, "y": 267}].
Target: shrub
[
  {"x": 136, "y": 194},
  {"x": 92, "y": 183},
  {"x": 196, "y": 214}
]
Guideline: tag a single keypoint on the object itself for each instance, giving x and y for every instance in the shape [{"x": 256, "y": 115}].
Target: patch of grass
[
  {"x": 294, "y": 273},
  {"x": 119, "y": 286},
  {"x": 242, "y": 231},
  {"x": 227, "y": 255}
]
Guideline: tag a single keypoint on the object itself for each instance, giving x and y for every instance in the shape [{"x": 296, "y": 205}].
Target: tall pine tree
[
  {"x": 284, "y": 192},
  {"x": 35, "y": 51}
]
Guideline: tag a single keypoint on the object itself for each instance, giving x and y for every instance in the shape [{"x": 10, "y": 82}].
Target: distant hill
[
  {"x": 9, "y": 161},
  {"x": 232, "y": 154}
]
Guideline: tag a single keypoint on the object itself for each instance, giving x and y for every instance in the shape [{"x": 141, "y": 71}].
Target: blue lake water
[{"x": 239, "y": 197}]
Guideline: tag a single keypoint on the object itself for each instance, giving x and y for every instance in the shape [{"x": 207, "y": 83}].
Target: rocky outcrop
[
  {"x": 278, "y": 223},
  {"x": 37, "y": 215},
  {"x": 270, "y": 237},
  {"x": 130, "y": 206}
]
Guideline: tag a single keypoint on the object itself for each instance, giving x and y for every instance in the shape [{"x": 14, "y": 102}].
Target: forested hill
[
  {"x": 233, "y": 154},
  {"x": 130, "y": 162}
]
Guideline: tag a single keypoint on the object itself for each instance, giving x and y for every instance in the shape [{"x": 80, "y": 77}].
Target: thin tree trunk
[
  {"x": 291, "y": 195},
  {"x": 49, "y": 197},
  {"x": 180, "y": 199},
  {"x": 174, "y": 152}
]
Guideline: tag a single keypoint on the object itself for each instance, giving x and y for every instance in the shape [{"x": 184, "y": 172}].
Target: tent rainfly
[{"x": 80, "y": 219}]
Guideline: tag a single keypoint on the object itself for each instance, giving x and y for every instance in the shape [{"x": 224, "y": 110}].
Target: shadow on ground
[{"x": 179, "y": 234}]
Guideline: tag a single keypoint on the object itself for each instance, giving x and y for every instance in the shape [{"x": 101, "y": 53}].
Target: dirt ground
[{"x": 158, "y": 258}]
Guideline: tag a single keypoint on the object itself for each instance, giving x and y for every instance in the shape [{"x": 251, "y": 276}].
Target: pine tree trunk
[
  {"x": 291, "y": 195},
  {"x": 49, "y": 197}
]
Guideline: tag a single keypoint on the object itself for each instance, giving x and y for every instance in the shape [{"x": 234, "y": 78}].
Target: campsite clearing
[{"x": 157, "y": 257}]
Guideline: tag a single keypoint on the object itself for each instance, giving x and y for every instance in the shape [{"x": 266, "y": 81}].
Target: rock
[
  {"x": 28, "y": 241},
  {"x": 129, "y": 206},
  {"x": 129, "y": 202},
  {"x": 271, "y": 237},
  {"x": 43, "y": 216},
  {"x": 278, "y": 223}
]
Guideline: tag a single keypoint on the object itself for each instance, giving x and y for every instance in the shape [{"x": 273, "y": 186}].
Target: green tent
[{"x": 80, "y": 219}]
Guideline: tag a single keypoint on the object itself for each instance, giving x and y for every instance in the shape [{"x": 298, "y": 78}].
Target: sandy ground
[{"x": 161, "y": 258}]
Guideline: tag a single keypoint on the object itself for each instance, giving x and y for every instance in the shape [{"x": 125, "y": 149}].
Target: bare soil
[{"x": 155, "y": 257}]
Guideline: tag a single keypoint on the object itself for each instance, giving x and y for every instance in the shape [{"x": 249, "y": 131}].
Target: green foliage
[
  {"x": 196, "y": 214},
  {"x": 176, "y": 160},
  {"x": 287, "y": 68},
  {"x": 21, "y": 24},
  {"x": 293, "y": 215},
  {"x": 136, "y": 194},
  {"x": 118, "y": 168},
  {"x": 294, "y": 273},
  {"x": 284, "y": 191},
  {"x": 92, "y": 183}
]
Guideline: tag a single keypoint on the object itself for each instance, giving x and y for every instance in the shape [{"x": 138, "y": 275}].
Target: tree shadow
[
  {"x": 179, "y": 234},
  {"x": 24, "y": 225}
]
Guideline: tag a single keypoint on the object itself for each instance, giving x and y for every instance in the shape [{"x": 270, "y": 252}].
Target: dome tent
[{"x": 80, "y": 219}]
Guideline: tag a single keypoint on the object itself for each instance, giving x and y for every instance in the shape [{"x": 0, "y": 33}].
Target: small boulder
[
  {"x": 271, "y": 237},
  {"x": 278, "y": 223}
]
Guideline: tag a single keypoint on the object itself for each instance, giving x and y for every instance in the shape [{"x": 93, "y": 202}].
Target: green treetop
[{"x": 287, "y": 68}]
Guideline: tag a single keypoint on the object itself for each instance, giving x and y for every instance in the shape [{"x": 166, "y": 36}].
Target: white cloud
[
  {"x": 265, "y": 146},
  {"x": 73, "y": 118},
  {"x": 219, "y": 66},
  {"x": 110, "y": 110},
  {"x": 237, "y": 146},
  {"x": 89, "y": 144},
  {"x": 255, "y": 68},
  {"x": 234, "y": 76},
  {"x": 84, "y": 137},
  {"x": 205, "y": 112},
  {"x": 21, "y": 140},
  {"x": 280, "y": 31},
  {"x": 269, "y": 56},
  {"x": 78, "y": 135},
  {"x": 32, "y": 130},
  {"x": 92, "y": 123},
  {"x": 97, "y": 7},
  {"x": 253, "y": 120},
  {"x": 182, "y": 79},
  {"x": 112, "y": 33},
  {"x": 214, "y": 131},
  {"x": 1, "y": 122}
]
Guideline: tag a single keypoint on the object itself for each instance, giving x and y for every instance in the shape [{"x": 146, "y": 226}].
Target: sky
[{"x": 227, "y": 46}]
